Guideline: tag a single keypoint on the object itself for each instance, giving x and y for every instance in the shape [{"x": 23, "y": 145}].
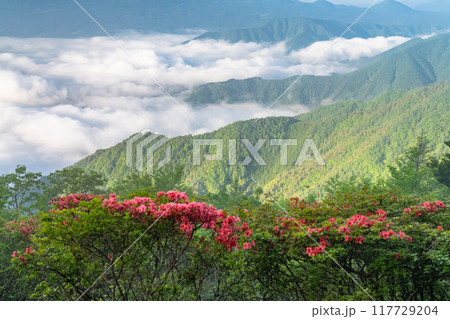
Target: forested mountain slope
[
  {"x": 352, "y": 137},
  {"x": 413, "y": 64},
  {"x": 301, "y": 32}
]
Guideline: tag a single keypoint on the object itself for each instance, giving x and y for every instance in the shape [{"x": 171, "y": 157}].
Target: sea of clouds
[{"x": 62, "y": 99}]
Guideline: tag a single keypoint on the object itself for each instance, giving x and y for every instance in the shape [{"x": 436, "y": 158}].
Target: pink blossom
[
  {"x": 360, "y": 239},
  {"x": 440, "y": 204}
]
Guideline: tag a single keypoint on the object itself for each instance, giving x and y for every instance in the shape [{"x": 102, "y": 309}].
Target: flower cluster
[
  {"x": 358, "y": 239},
  {"x": 226, "y": 232},
  {"x": 70, "y": 201},
  {"x": 298, "y": 203},
  {"x": 388, "y": 234},
  {"x": 246, "y": 229},
  {"x": 353, "y": 229},
  {"x": 28, "y": 251},
  {"x": 425, "y": 208},
  {"x": 138, "y": 207},
  {"x": 175, "y": 206},
  {"x": 312, "y": 251},
  {"x": 25, "y": 227},
  {"x": 249, "y": 245}
]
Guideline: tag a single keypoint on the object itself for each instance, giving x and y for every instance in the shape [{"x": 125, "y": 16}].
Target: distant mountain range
[
  {"x": 301, "y": 32},
  {"x": 352, "y": 137},
  {"x": 50, "y": 18},
  {"x": 413, "y": 64}
]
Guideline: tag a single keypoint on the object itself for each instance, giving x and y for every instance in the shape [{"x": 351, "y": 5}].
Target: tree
[
  {"x": 412, "y": 175},
  {"x": 132, "y": 183},
  {"x": 417, "y": 154},
  {"x": 74, "y": 181},
  {"x": 441, "y": 168},
  {"x": 15, "y": 236},
  {"x": 3, "y": 197},
  {"x": 336, "y": 186},
  {"x": 167, "y": 179},
  {"x": 235, "y": 187},
  {"x": 393, "y": 246},
  {"x": 87, "y": 235},
  {"x": 69, "y": 181},
  {"x": 19, "y": 190},
  {"x": 145, "y": 184}
]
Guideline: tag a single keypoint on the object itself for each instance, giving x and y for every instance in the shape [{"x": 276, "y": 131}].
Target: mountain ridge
[
  {"x": 48, "y": 18},
  {"x": 416, "y": 63},
  {"x": 301, "y": 32}
]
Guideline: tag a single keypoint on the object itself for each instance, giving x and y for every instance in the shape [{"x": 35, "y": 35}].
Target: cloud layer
[{"x": 61, "y": 99}]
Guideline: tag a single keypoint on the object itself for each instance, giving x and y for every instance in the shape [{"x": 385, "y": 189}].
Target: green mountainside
[
  {"x": 50, "y": 18},
  {"x": 413, "y": 64},
  {"x": 301, "y": 32},
  {"x": 352, "y": 137}
]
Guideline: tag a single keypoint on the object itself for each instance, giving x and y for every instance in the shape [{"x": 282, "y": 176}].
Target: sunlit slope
[{"x": 352, "y": 137}]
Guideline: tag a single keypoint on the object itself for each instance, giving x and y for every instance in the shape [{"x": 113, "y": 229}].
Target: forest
[{"x": 353, "y": 137}]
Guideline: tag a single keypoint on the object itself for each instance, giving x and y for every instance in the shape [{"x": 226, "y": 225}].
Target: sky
[
  {"x": 366, "y": 3},
  {"x": 62, "y": 99}
]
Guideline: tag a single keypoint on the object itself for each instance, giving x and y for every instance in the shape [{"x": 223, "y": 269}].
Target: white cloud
[
  {"x": 338, "y": 56},
  {"x": 28, "y": 89},
  {"x": 61, "y": 99}
]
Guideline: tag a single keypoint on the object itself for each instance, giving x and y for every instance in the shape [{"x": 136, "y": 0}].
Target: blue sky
[{"x": 366, "y": 3}]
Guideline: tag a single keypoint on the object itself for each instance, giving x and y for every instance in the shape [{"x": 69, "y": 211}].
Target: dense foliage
[
  {"x": 144, "y": 246},
  {"x": 356, "y": 245},
  {"x": 361, "y": 242}
]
